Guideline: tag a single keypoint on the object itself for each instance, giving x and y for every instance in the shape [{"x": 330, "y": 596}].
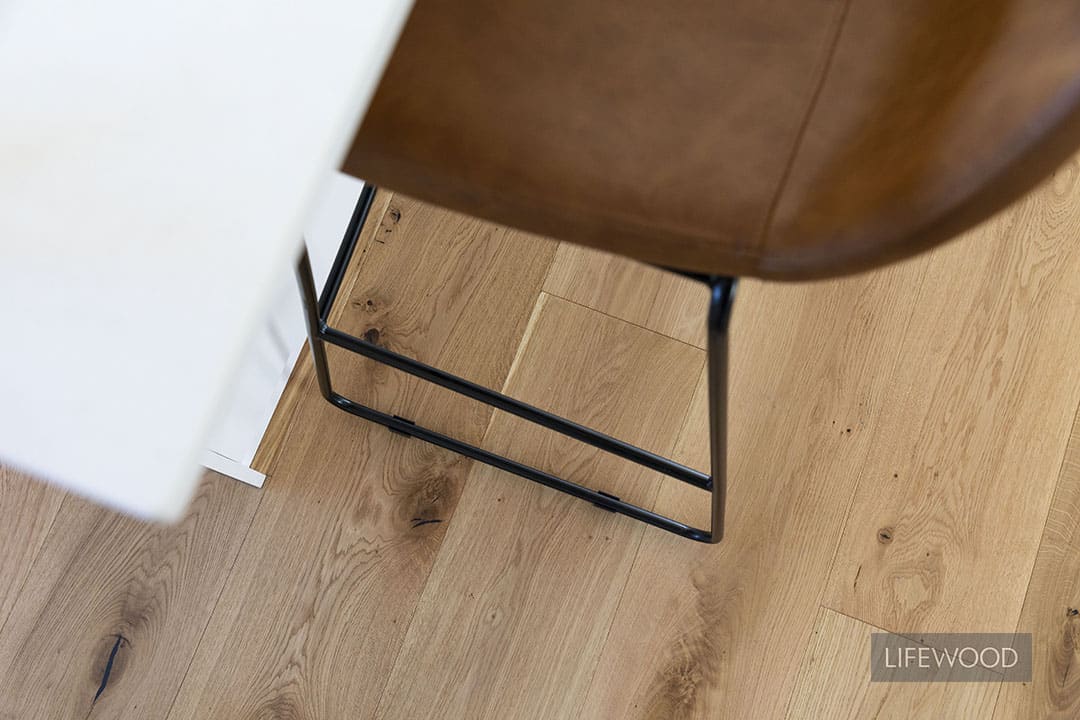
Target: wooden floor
[{"x": 904, "y": 454}]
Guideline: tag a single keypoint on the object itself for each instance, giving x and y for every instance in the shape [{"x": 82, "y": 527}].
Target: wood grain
[
  {"x": 833, "y": 682},
  {"x": 517, "y": 606},
  {"x": 110, "y": 616},
  {"x": 1050, "y": 611},
  {"x": 945, "y": 526},
  {"x": 351, "y": 520},
  {"x": 27, "y": 509}
]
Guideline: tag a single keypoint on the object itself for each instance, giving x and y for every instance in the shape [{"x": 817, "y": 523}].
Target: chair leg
[
  {"x": 722, "y": 297},
  {"x": 722, "y": 293}
]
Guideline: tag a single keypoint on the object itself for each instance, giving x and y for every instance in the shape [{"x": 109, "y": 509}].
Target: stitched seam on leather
[{"x": 801, "y": 132}]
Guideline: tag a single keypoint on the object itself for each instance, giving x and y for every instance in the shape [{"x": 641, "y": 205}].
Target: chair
[{"x": 771, "y": 138}]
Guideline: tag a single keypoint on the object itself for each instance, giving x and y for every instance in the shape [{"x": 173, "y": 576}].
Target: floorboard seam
[{"x": 629, "y": 322}]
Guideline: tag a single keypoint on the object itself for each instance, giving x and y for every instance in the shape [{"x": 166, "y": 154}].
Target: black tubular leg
[
  {"x": 721, "y": 299},
  {"x": 722, "y": 295}
]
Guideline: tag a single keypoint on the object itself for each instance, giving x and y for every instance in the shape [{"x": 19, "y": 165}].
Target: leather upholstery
[{"x": 774, "y": 138}]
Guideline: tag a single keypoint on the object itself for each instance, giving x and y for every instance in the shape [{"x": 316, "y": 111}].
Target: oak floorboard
[
  {"x": 719, "y": 631},
  {"x": 520, "y": 598},
  {"x": 945, "y": 525},
  {"x": 1051, "y": 606},
  {"x": 353, "y": 515},
  {"x": 114, "y": 599},
  {"x": 834, "y": 682}
]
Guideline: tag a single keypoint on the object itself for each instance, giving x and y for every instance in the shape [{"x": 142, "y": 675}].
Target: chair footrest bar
[
  {"x": 722, "y": 292},
  {"x": 405, "y": 421},
  {"x": 596, "y": 497},
  {"x": 609, "y": 495},
  {"x": 515, "y": 407}
]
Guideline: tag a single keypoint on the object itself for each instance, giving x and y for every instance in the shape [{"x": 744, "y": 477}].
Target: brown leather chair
[{"x": 772, "y": 138}]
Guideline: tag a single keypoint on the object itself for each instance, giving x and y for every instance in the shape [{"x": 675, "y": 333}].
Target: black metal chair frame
[{"x": 317, "y": 312}]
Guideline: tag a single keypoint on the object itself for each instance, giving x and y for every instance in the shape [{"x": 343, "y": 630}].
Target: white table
[{"x": 156, "y": 163}]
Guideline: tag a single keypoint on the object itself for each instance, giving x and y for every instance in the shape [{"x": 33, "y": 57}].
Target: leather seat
[{"x": 773, "y": 138}]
